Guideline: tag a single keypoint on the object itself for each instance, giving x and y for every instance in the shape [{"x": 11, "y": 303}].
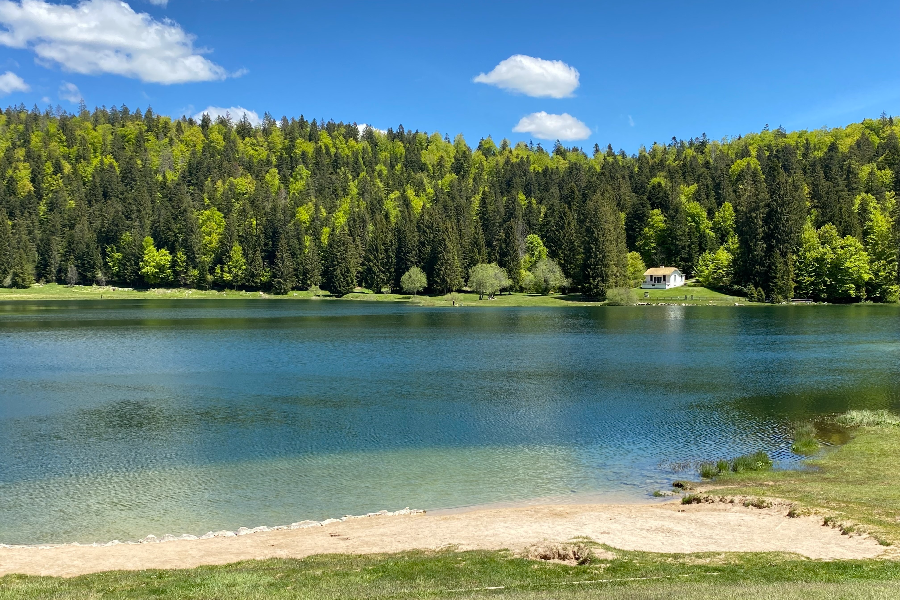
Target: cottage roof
[{"x": 657, "y": 271}]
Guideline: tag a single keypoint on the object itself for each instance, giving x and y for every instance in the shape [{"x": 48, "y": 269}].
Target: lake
[{"x": 120, "y": 419}]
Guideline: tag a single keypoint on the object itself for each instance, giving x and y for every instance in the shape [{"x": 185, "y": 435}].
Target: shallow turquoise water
[{"x": 120, "y": 419}]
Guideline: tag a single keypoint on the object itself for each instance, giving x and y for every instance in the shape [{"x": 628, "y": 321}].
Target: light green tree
[
  {"x": 830, "y": 267},
  {"x": 652, "y": 241},
  {"x": 547, "y": 277},
  {"x": 723, "y": 223},
  {"x": 488, "y": 279},
  {"x": 414, "y": 281},
  {"x": 636, "y": 269},
  {"x": 232, "y": 272},
  {"x": 535, "y": 251},
  {"x": 212, "y": 228},
  {"x": 715, "y": 269},
  {"x": 156, "y": 265},
  {"x": 881, "y": 242}
]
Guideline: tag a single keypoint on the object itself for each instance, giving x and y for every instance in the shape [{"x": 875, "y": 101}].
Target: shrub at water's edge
[
  {"x": 621, "y": 297},
  {"x": 805, "y": 442},
  {"x": 867, "y": 418},
  {"x": 757, "y": 461}
]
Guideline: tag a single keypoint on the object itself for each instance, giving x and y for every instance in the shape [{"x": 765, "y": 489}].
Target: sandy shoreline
[{"x": 668, "y": 527}]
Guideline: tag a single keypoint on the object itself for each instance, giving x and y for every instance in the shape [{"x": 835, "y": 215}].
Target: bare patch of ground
[{"x": 669, "y": 528}]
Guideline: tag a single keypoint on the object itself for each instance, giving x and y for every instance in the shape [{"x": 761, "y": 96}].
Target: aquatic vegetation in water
[
  {"x": 805, "y": 442},
  {"x": 758, "y": 461},
  {"x": 867, "y": 418}
]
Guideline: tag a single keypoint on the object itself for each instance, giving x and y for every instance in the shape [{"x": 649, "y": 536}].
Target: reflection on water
[{"x": 120, "y": 419}]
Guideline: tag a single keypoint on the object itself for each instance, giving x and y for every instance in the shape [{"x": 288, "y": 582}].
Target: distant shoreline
[{"x": 682, "y": 296}]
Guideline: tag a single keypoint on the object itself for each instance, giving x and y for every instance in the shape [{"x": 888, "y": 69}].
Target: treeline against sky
[{"x": 138, "y": 199}]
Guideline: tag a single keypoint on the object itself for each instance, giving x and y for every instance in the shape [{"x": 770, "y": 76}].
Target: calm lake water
[{"x": 120, "y": 419}]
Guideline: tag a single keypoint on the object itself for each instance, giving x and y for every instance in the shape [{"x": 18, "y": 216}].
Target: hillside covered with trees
[{"x": 137, "y": 199}]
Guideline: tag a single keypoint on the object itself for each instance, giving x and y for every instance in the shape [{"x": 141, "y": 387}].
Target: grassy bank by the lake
[
  {"x": 855, "y": 486},
  {"x": 475, "y": 574},
  {"x": 53, "y": 291}
]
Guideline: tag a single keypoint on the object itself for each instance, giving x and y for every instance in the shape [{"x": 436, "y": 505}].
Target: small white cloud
[
  {"x": 533, "y": 77},
  {"x": 162, "y": 3},
  {"x": 69, "y": 91},
  {"x": 553, "y": 127},
  {"x": 630, "y": 121},
  {"x": 235, "y": 112},
  {"x": 10, "y": 82},
  {"x": 363, "y": 126},
  {"x": 105, "y": 36}
]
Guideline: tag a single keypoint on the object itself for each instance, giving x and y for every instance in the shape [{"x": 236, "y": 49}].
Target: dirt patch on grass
[{"x": 671, "y": 528}]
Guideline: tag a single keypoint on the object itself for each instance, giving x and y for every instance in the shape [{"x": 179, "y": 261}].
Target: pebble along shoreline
[{"x": 152, "y": 539}]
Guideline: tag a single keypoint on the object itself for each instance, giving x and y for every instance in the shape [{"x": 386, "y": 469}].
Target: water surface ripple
[{"x": 123, "y": 418}]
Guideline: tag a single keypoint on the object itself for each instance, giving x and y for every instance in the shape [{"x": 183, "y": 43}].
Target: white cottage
[{"x": 662, "y": 278}]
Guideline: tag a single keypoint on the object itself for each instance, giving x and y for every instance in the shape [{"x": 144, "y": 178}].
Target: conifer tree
[
  {"x": 312, "y": 265},
  {"x": 448, "y": 274},
  {"x": 6, "y": 248},
  {"x": 342, "y": 263},
  {"x": 282, "y": 270},
  {"x": 605, "y": 253},
  {"x": 378, "y": 259}
]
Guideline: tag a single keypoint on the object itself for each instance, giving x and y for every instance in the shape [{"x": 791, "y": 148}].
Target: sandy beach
[{"x": 669, "y": 527}]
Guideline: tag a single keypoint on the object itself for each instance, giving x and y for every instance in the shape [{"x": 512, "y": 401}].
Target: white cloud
[
  {"x": 158, "y": 2},
  {"x": 630, "y": 121},
  {"x": 235, "y": 112},
  {"x": 553, "y": 127},
  {"x": 533, "y": 77},
  {"x": 69, "y": 91},
  {"x": 363, "y": 126},
  {"x": 106, "y": 36},
  {"x": 10, "y": 82}
]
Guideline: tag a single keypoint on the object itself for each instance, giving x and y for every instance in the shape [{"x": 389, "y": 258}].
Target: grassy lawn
[
  {"x": 485, "y": 575},
  {"x": 53, "y": 291},
  {"x": 695, "y": 295}
]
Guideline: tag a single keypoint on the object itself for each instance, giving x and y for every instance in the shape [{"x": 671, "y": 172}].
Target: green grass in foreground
[
  {"x": 470, "y": 574},
  {"x": 53, "y": 291}
]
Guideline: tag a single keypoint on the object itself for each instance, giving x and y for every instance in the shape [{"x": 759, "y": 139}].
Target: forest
[{"x": 136, "y": 199}]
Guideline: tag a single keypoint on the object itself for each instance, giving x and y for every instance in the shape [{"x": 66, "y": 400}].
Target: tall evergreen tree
[
  {"x": 448, "y": 275},
  {"x": 342, "y": 263},
  {"x": 605, "y": 253}
]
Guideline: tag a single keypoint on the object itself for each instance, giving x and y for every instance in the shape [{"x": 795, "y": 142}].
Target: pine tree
[
  {"x": 783, "y": 227},
  {"x": 512, "y": 251},
  {"x": 22, "y": 275},
  {"x": 312, "y": 265},
  {"x": 378, "y": 259},
  {"x": 407, "y": 247},
  {"x": 562, "y": 237},
  {"x": 282, "y": 270},
  {"x": 342, "y": 264},
  {"x": 605, "y": 253},
  {"x": 447, "y": 270},
  {"x": 6, "y": 249},
  {"x": 750, "y": 209}
]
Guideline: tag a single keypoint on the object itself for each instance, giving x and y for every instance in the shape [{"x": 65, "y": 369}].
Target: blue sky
[{"x": 646, "y": 71}]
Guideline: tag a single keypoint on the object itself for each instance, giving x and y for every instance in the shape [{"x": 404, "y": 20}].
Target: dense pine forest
[{"x": 136, "y": 199}]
